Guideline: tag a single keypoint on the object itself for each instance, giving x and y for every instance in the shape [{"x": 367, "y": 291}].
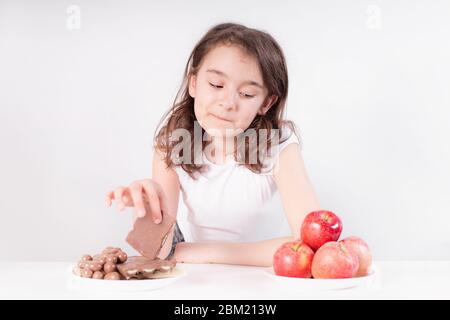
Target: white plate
[
  {"x": 321, "y": 284},
  {"x": 79, "y": 283}
]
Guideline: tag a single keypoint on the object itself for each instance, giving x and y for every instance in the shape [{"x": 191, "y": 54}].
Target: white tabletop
[{"x": 393, "y": 280}]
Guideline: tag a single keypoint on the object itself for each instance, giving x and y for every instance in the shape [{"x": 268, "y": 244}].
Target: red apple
[
  {"x": 320, "y": 227},
  {"x": 359, "y": 247},
  {"x": 293, "y": 259},
  {"x": 333, "y": 260}
]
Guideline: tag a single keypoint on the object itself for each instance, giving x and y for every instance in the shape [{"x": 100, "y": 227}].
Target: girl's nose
[{"x": 229, "y": 101}]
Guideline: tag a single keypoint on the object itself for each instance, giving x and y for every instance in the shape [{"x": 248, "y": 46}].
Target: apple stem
[{"x": 342, "y": 246}]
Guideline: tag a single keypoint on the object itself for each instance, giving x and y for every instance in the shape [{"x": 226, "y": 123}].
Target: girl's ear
[
  {"x": 192, "y": 84},
  {"x": 270, "y": 101}
]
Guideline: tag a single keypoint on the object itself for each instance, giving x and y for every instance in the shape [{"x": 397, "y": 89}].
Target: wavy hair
[{"x": 270, "y": 57}]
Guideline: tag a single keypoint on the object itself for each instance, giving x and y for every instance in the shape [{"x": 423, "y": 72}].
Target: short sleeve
[{"x": 288, "y": 137}]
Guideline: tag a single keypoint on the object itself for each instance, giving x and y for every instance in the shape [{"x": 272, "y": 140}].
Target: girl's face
[{"x": 228, "y": 91}]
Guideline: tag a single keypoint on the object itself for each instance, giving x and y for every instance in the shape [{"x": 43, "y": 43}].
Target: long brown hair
[{"x": 268, "y": 53}]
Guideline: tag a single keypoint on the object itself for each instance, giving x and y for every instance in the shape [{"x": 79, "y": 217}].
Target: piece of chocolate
[
  {"x": 112, "y": 276},
  {"x": 145, "y": 268},
  {"x": 147, "y": 237}
]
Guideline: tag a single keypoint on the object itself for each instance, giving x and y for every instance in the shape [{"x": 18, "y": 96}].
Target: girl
[{"x": 235, "y": 82}]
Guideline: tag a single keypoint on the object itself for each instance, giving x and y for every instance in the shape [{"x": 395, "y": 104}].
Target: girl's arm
[
  {"x": 168, "y": 180},
  {"x": 298, "y": 199},
  {"x": 251, "y": 254}
]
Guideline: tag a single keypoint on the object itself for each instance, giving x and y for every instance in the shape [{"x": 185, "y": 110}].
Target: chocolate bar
[
  {"x": 145, "y": 268},
  {"x": 147, "y": 237}
]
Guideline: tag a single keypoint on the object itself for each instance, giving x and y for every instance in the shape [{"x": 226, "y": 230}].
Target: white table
[{"x": 394, "y": 280}]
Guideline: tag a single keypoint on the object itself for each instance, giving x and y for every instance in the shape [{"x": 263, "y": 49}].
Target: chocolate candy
[
  {"x": 111, "y": 250},
  {"x": 100, "y": 258},
  {"x": 112, "y": 258},
  {"x": 122, "y": 256},
  {"x": 98, "y": 275},
  {"x": 112, "y": 276},
  {"x": 101, "y": 266},
  {"x": 93, "y": 265},
  {"x": 114, "y": 264},
  {"x": 86, "y": 257},
  {"x": 86, "y": 273},
  {"x": 109, "y": 267}
]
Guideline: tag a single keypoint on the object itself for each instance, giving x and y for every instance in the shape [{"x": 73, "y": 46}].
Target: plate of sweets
[{"x": 113, "y": 270}]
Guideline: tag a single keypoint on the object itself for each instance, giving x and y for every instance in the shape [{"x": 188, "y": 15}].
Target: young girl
[{"x": 235, "y": 82}]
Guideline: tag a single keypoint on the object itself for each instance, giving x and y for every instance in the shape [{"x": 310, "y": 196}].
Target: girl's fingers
[
  {"x": 126, "y": 198},
  {"x": 108, "y": 199},
  {"x": 154, "y": 204},
  {"x": 136, "y": 195},
  {"x": 144, "y": 196},
  {"x": 118, "y": 197}
]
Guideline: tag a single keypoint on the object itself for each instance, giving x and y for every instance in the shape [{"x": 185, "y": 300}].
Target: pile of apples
[{"x": 319, "y": 254}]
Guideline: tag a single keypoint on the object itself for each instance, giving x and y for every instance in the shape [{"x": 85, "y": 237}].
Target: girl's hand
[{"x": 146, "y": 196}]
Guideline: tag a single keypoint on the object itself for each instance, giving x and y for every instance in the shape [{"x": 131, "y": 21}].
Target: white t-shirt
[{"x": 230, "y": 203}]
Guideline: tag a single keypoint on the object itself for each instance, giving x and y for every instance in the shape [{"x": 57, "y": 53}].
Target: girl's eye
[
  {"x": 247, "y": 95},
  {"x": 217, "y": 87}
]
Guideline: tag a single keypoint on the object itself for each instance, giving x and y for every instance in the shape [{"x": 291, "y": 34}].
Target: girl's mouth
[{"x": 217, "y": 117}]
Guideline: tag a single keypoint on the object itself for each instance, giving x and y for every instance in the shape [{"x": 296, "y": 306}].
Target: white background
[{"x": 369, "y": 90}]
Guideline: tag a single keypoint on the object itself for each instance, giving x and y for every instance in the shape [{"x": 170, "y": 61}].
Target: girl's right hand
[{"x": 146, "y": 196}]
